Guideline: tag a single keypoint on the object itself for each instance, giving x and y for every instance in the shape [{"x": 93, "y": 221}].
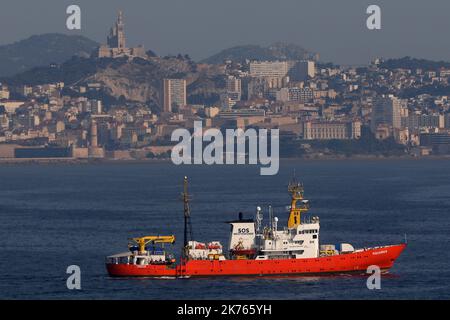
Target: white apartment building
[{"x": 275, "y": 69}]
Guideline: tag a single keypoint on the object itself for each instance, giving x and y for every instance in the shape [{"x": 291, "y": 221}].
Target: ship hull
[{"x": 356, "y": 262}]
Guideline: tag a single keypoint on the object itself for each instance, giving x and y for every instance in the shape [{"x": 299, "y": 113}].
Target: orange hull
[{"x": 356, "y": 262}]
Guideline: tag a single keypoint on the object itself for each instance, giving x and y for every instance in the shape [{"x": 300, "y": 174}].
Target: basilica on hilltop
[{"x": 116, "y": 43}]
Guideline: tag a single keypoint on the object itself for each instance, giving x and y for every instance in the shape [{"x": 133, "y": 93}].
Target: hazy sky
[{"x": 334, "y": 28}]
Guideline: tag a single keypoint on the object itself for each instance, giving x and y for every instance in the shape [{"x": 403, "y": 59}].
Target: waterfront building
[
  {"x": 416, "y": 121},
  {"x": 329, "y": 130},
  {"x": 439, "y": 142}
]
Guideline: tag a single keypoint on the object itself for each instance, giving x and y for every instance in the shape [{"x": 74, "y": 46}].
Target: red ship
[{"x": 254, "y": 249}]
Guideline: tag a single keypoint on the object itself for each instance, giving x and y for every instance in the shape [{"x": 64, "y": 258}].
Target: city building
[
  {"x": 11, "y": 106},
  {"x": 24, "y": 90},
  {"x": 416, "y": 121},
  {"x": 386, "y": 110},
  {"x": 229, "y": 99},
  {"x": 439, "y": 142},
  {"x": 174, "y": 94},
  {"x": 447, "y": 121},
  {"x": 444, "y": 73},
  {"x": 240, "y": 113},
  {"x": 233, "y": 92},
  {"x": 4, "y": 93},
  {"x": 233, "y": 84},
  {"x": 329, "y": 130},
  {"x": 4, "y": 120},
  {"x": 211, "y": 112},
  {"x": 276, "y": 69},
  {"x": 303, "y": 70},
  {"x": 295, "y": 94},
  {"x": 260, "y": 87}
]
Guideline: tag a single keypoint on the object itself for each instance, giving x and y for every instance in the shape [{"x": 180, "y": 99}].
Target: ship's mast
[
  {"x": 296, "y": 190},
  {"x": 187, "y": 218}
]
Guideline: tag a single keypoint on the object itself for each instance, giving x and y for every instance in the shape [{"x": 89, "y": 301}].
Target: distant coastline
[{"x": 72, "y": 161}]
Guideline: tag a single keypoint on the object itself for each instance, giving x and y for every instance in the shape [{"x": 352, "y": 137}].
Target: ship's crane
[{"x": 142, "y": 242}]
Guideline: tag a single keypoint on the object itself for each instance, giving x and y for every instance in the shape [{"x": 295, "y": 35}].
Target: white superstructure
[
  {"x": 299, "y": 239},
  {"x": 270, "y": 242}
]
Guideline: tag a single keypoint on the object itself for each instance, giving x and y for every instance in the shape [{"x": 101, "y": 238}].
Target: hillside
[
  {"x": 58, "y": 58},
  {"x": 42, "y": 50},
  {"x": 413, "y": 64},
  {"x": 137, "y": 80},
  {"x": 277, "y": 51}
]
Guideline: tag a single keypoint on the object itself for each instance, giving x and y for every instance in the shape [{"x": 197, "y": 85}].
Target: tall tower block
[{"x": 94, "y": 138}]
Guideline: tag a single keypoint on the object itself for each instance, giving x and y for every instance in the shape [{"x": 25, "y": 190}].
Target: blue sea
[{"x": 56, "y": 215}]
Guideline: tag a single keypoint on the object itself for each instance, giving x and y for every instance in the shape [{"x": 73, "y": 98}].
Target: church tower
[
  {"x": 116, "y": 43},
  {"x": 116, "y": 38}
]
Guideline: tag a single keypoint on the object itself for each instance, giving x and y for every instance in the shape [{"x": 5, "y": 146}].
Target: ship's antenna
[
  {"x": 271, "y": 219},
  {"x": 259, "y": 218},
  {"x": 187, "y": 218}
]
